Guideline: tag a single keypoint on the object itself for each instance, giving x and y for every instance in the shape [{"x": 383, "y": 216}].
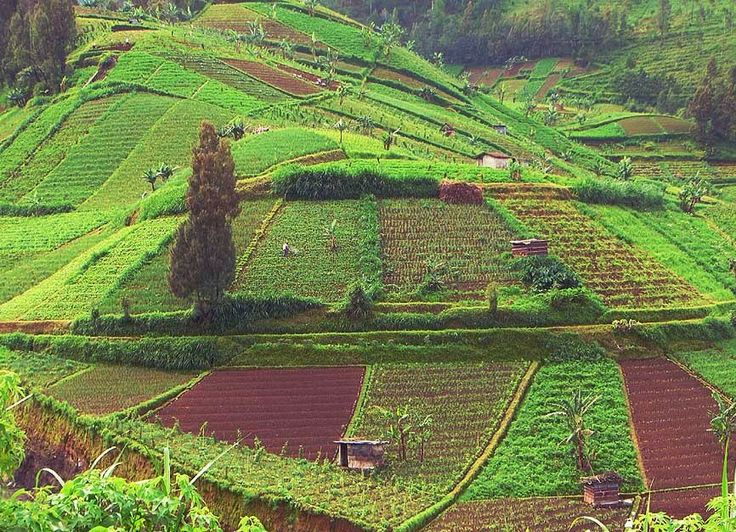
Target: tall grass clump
[{"x": 637, "y": 194}]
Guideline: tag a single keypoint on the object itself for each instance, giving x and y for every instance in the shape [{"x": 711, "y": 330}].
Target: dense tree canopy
[
  {"x": 35, "y": 36},
  {"x": 468, "y": 31}
]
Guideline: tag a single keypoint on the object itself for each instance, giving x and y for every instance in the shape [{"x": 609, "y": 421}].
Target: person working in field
[{"x": 286, "y": 249}]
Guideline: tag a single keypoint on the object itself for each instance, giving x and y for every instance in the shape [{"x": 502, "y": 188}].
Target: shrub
[
  {"x": 733, "y": 319},
  {"x": 572, "y": 347},
  {"x": 358, "y": 304},
  {"x": 461, "y": 193},
  {"x": 492, "y": 297},
  {"x": 637, "y": 194},
  {"x": 545, "y": 272},
  {"x": 335, "y": 182}
]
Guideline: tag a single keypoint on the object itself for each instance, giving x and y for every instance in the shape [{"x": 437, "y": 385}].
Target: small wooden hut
[
  {"x": 526, "y": 248},
  {"x": 361, "y": 455},
  {"x": 494, "y": 159},
  {"x": 602, "y": 491},
  {"x": 501, "y": 128}
]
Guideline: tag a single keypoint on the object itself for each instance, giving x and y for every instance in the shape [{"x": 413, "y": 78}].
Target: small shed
[
  {"x": 447, "y": 130},
  {"x": 501, "y": 128},
  {"x": 361, "y": 455},
  {"x": 526, "y": 248},
  {"x": 602, "y": 491},
  {"x": 494, "y": 159}
]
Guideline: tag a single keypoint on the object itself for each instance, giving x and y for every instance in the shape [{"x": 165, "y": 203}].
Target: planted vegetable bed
[
  {"x": 671, "y": 412},
  {"x": 299, "y": 412},
  {"x": 623, "y": 275},
  {"x": 468, "y": 239},
  {"x": 554, "y": 514},
  {"x": 276, "y": 78}
]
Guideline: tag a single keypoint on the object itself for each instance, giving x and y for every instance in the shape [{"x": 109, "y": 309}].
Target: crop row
[
  {"x": 169, "y": 139},
  {"x": 624, "y": 276},
  {"x": 675, "y": 169},
  {"x": 535, "y": 447},
  {"x": 553, "y": 514},
  {"x": 87, "y": 165},
  {"x": 257, "y": 153},
  {"x": 253, "y": 91},
  {"x": 79, "y": 286},
  {"x": 465, "y": 401},
  {"x": 468, "y": 239},
  {"x": 45, "y": 233},
  {"x": 296, "y": 412},
  {"x": 723, "y": 215},
  {"x": 686, "y": 244},
  {"x": 37, "y": 369},
  {"x": 50, "y": 153},
  {"x": 107, "y": 389},
  {"x": 19, "y": 148},
  {"x": 28, "y": 269},
  {"x": 236, "y": 17},
  {"x": 315, "y": 267},
  {"x": 274, "y": 77},
  {"x": 671, "y": 411}
]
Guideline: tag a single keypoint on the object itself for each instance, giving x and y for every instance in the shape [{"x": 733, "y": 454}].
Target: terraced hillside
[{"x": 486, "y": 288}]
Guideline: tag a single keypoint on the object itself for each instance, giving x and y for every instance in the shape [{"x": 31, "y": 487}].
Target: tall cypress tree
[{"x": 203, "y": 256}]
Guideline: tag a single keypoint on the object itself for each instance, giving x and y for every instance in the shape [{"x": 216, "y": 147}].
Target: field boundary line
[
  {"x": 632, "y": 428},
  {"x": 429, "y": 514},
  {"x": 359, "y": 410},
  {"x": 259, "y": 235},
  {"x": 295, "y": 160},
  {"x": 155, "y": 404},
  {"x": 712, "y": 387}
]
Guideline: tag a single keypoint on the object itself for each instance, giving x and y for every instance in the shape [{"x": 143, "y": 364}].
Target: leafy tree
[
  {"x": 12, "y": 439},
  {"x": 203, "y": 255},
  {"x": 574, "y": 411},
  {"x": 38, "y": 36}
]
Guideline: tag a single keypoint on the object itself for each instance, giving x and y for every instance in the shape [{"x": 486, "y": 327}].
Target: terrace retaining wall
[{"x": 68, "y": 447}]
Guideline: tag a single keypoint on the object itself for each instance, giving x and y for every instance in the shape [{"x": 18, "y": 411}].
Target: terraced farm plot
[
  {"x": 466, "y": 402},
  {"x": 312, "y": 269},
  {"x": 519, "y": 515},
  {"x": 148, "y": 290},
  {"x": 87, "y": 166},
  {"x": 37, "y": 369},
  {"x": 238, "y": 18},
  {"x": 257, "y": 153},
  {"x": 534, "y": 445},
  {"x": 301, "y": 410},
  {"x": 19, "y": 147},
  {"x": 44, "y": 233},
  {"x": 681, "y": 503},
  {"x": 686, "y": 244},
  {"x": 80, "y": 285},
  {"x": 169, "y": 140},
  {"x": 624, "y": 276},
  {"x": 276, "y": 78},
  {"x": 51, "y": 152},
  {"x": 252, "y": 92},
  {"x": 107, "y": 389},
  {"x": 417, "y": 233},
  {"x": 723, "y": 216},
  {"x": 27, "y": 269},
  {"x": 671, "y": 412}
]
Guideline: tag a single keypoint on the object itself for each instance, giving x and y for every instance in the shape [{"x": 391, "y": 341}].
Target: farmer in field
[{"x": 286, "y": 249}]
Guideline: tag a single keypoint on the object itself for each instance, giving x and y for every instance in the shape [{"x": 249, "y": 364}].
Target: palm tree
[
  {"x": 399, "y": 426},
  {"x": 625, "y": 169},
  {"x": 165, "y": 171},
  {"x": 18, "y": 96},
  {"x": 367, "y": 124},
  {"x": 287, "y": 49},
  {"x": 331, "y": 234},
  {"x": 574, "y": 411},
  {"x": 723, "y": 423},
  {"x": 151, "y": 176},
  {"x": 311, "y": 6}
]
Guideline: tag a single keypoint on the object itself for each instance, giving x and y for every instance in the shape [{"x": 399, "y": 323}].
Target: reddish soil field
[
  {"x": 275, "y": 78},
  {"x": 307, "y": 76},
  {"x": 682, "y": 503},
  {"x": 549, "y": 84},
  {"x": 539, "y": 514},
  {"x": 517, "y": 68},
  {"x": 485, "y": 76},
  {"x": 671, "y": 412},
  {"x": 301, "y": 407}
]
